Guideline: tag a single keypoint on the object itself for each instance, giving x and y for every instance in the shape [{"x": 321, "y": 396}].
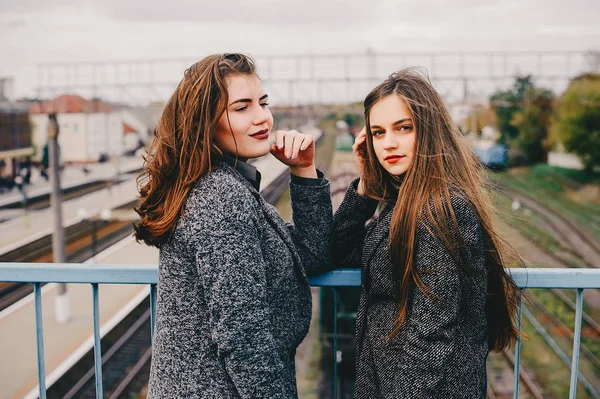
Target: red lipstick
[
  {"x": 261, "y": 134},
  {"x": 393, "y": 158}
]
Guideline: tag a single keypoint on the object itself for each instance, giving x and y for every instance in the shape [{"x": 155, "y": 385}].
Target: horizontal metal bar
[
  {"x": 78, "y": 273},
  {"x": 147, "y": 274},
  {"x": 513, "y": 53},
  {"x": 556, "y": 278},
  {"x": 303, "y": 80},
  {"x": 337, "y": 278}
]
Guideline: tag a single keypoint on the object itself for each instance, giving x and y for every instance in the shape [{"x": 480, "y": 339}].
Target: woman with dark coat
[
  {"x": 233, "y": 296},
  {"x": 435, "y": 297}
]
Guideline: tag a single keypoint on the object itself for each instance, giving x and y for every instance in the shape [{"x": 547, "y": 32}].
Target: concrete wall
[
  {"x": 105, "y": 135},
  {"x": 84, "y": 137},
  {"x": 72, "y": 138}
]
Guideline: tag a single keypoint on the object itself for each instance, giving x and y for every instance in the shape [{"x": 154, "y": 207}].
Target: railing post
[
  {"x": 335, "y": 338},
  {"x": 97, "y": 347},
  {"x": 152, "y": 309},
  {"x": 576, "y": 344},
  {"x": 517, "y": 371},
  {"x": 39, "y": 331}
]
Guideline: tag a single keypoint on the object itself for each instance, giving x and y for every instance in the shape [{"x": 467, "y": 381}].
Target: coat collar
[
  {"x": 380, "y": 233},
  {"x": 248, "y": 171}
]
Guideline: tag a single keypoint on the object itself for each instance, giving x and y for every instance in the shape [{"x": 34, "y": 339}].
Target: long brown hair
[
  {"x": 440, "y": 158},
  {"x": 183, "y": 146}
]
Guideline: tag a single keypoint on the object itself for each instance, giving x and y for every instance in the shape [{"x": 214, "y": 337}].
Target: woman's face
[
  {"x": 393, "y": 132},
  {"x": 249, "y": 117}
]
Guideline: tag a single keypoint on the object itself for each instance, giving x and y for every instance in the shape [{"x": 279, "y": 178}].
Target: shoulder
[
  {"x": 220, "y": 195},
  {"x": 221, "y": 180},
  {"x": 458, "y": 204},
  {"x": 462, "y": 206}
]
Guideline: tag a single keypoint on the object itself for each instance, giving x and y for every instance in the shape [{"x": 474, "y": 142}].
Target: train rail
[
  {"x": 583, "y": 247},
  {"x": 84, "y": 240},
  {"x": 497, "y": 388},
  {"x": 125, "y": 362},
  {"x": 579, "y": 241}
]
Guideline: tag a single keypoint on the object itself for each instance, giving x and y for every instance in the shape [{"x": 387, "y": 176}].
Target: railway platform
[
  {"x": 73, "y": 176},
  {"x": 63, "y": 343}
]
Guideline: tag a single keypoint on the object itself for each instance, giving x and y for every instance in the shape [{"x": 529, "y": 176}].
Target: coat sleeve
[
  {"x": 432, "y": 328},
  {"x": 232, "y": 273},
  {"x": 312, "y": 219},
  {"x": 349, "y": 227}
]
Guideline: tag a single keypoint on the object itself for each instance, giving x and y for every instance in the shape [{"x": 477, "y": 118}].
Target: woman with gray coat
[
  {"x": 233, "y": 296},
  {"x": 435, "y": 297}
]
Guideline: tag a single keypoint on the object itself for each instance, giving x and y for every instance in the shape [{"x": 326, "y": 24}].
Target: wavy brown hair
[
  {"x": 183, "y": 145},
  {"x": 440, "y": 159}
]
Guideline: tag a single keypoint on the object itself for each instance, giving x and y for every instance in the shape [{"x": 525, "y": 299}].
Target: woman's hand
[
  {"x": 359, "y": 149},
  {"x": 297, "y": 150}
]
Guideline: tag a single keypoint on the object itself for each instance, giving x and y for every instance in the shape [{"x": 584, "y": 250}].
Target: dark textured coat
[
  {"x": 233, "y": 297},
  {"x": 441, "y": 350}
]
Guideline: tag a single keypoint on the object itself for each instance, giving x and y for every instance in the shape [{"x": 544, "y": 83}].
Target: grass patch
[
  {"x": 556, "y": 188},
  {"x": 529, "y": 224}
]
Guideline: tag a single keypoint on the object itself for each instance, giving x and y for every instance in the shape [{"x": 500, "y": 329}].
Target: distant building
[
  {"x": 559, "y": 157},
  {"x": 89, "y": 129},
  {"x": 15, "y": 132}
]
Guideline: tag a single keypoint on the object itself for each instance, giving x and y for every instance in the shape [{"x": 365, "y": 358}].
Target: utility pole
[{"x": 62, "y": 307}]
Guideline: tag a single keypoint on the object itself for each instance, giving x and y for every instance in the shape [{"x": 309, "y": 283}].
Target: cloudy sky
[{"x": 39, "y": 31}]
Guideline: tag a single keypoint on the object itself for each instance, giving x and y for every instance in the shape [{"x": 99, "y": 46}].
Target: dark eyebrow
[
  {"x": 395, "y": 123},
  {"x": 247, "y": 100},
  {"x": 241, "y": 100}
]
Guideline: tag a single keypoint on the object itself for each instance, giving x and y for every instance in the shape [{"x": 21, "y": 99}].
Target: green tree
[
  {"x": 532, "y": 123},
  {"x": 576, "y": 122},
  {"x": 507, "y": 103},
  {"x": 523, "y": 118}
]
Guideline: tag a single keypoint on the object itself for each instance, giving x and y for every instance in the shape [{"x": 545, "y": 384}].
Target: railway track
[
  {"x": 562, "y": 329},
  {"x": 579, "y": 241},
  {"x": 501, "y": 382},
  {"x": 583, "y": 247},
  {"x": 125, "y": 362},
  {"x": 80, "y": 246},
  {"x": 565, "y": 228},
  {"x": 42, "y": 201}
]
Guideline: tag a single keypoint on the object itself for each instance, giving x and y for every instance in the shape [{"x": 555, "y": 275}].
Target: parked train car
[{"x": 492, "y": 155}]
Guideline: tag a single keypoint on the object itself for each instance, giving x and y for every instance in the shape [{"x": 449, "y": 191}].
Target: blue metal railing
[{"x": 39, "y": 273}]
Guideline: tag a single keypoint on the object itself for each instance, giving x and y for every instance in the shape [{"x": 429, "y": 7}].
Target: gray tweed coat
[
  {"x": 441, "y": 350},
  {"x": 233, "y": 296}
]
